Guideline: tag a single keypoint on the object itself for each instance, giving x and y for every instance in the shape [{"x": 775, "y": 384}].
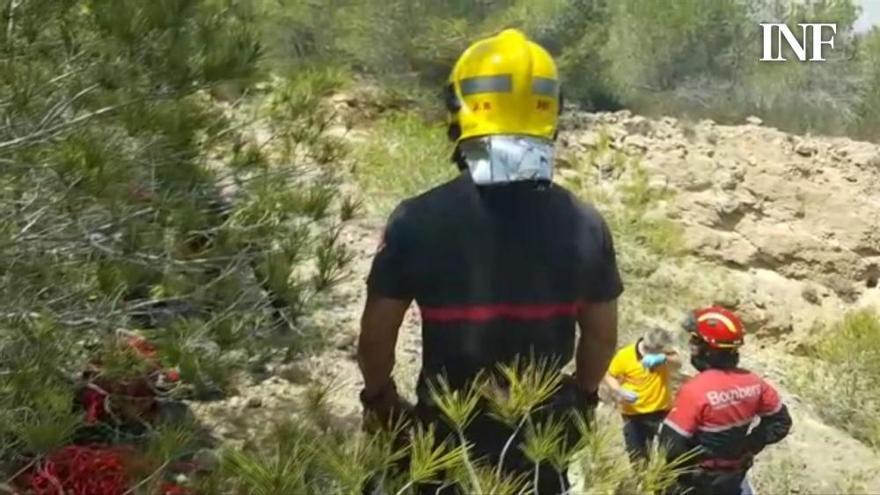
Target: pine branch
[
  {"x": 62, "y": 106},
  {"x": 45, "y": 134},
  {"x": 510, "y": 441},
  {"x": 10, "y": 24}
]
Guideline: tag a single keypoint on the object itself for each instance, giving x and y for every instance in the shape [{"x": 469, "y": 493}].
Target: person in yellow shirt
[{"x": 639, "y": 379}]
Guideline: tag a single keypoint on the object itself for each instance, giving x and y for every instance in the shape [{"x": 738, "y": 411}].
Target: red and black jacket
[{"x": 731, "y": 415}]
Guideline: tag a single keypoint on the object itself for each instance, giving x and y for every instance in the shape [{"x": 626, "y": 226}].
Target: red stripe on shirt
[{"x": 496, "y": 311}]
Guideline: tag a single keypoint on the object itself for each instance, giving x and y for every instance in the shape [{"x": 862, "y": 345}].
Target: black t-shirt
[{"x": 496, "y": 272}]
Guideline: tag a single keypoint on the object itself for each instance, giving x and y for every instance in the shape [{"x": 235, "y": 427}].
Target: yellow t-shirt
[{"x": 651, "y": 385}]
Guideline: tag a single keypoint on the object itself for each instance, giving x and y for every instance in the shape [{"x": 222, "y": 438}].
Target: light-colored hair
[{"x": 657, "y": 338}]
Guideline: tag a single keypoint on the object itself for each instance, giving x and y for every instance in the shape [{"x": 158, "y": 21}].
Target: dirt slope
[{"x": 793, "y": 221}]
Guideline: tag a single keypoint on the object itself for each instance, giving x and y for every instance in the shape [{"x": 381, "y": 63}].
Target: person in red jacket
[{"x": 726, "y": 414}]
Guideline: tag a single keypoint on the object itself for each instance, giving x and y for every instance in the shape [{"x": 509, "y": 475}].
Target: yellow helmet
[{"x": 505, "y": 84}]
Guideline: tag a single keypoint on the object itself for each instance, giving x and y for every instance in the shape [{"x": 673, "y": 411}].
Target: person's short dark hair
[{"x": 720, "y": 359}]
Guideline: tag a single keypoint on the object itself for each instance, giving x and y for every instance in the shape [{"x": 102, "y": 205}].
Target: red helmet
[{"x": 717, "y": 327}]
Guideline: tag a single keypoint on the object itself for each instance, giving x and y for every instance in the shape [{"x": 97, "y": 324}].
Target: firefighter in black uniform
[{"x": 500, "y": 261}]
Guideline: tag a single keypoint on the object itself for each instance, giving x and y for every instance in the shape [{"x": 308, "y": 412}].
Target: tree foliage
[
  {"x": 691, "y": 58},
  {"x": 133, "y": 199}
]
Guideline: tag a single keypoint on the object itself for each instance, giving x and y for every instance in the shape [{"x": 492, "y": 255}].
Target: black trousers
[
  {"x": 488, "y": 438},
  {"x": 714, "y": 483},
  {"x": 639, "y": 431}
]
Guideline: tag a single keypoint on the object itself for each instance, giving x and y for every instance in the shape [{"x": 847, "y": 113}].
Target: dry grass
[
  {"x": 404, "y": 157},
  {"x": 845, "y": 375}
]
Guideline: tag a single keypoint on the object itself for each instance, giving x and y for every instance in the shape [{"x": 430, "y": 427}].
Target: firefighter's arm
[
  {"x": 770, "y": 430},
  {"x": 775, "y": 421},
  {"x": 677, "y": 432},
  {"x": 597, "y": 307},
  {"x": 598, "y": 340},
  {"x": 390, "y": 290},
  {"x": 380, "y": 324},
  {"x": 674, "y": 443}
]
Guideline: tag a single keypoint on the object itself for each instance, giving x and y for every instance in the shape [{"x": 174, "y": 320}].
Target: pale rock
[
  {"x": 728, "y": 206},
  {"x": 810, "y": 295},
  {"x": 339, "y": 131},
  {"x": 860, "y": 155},
  {"x": 669, "y": 121},
  {"x": 588, "y": 139},
  {"x": 724, "y": 247},
  {"x": 729, "y": 181},
  {"x": 697, "y": 182},
  {"x": 707, "y": 123},
  {"x": 658, "y": 182},
  {"x": 567, "y": 174},
  {"x": 637, "y": 142},
  {"x": 806, "y": 148},
  {"x": 637, "y": 125}
]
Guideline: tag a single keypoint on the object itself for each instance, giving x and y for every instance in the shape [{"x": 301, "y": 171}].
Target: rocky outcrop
[{"x": 795, "y": 220}]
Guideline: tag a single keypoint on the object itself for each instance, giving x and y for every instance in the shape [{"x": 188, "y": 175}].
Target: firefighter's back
[
  {"x": 499, "y": 272},
  {"x": 725, "y": 405}
]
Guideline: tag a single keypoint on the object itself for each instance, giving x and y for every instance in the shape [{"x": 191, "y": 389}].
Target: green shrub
[
  {"x": 844, "y": 374},
  {"x": 304, "y": 455},
  {"x": 113, "y": 155},
  {"x": 866, "y": 121}
]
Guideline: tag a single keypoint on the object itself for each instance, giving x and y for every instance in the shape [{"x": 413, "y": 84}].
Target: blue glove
[
  {"x": 628, "y": 396},
  {"x": 651, "y": 361}
]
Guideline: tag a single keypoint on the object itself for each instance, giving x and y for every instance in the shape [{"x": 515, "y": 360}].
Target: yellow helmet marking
[{"x": 723, "y": 319}]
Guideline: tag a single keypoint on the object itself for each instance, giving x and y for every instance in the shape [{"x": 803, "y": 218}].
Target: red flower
[{"x": 80, "y": 470}]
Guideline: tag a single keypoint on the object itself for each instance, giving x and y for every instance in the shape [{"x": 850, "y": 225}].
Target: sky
[{"x": 870, "y": 14}]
